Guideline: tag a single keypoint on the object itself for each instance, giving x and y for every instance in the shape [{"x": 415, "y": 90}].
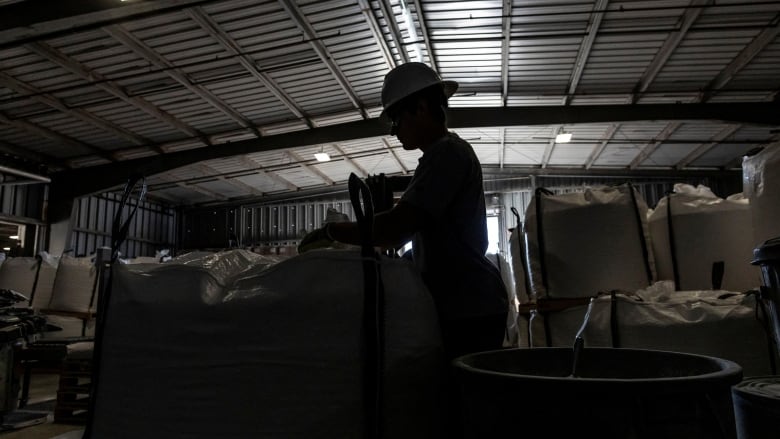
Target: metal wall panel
[
  {"x": 285, "y": 223},
  {"x": 152, "y": 228},
  {"x": 24, "y": 202}
]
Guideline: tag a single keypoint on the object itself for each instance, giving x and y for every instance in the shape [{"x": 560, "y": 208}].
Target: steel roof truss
[
  {"x": 310, "y": 169},
  {"x": 585, "y": 47},
  {"x": 596, "y": 153},
  {"x": 647, "y": 150},
  {"x": 376, "y": 31},
  {"x": 665, "y": 52},
  {"x": 209, "y": 25},
  {"x": 394, "y": 155},
  {"x": 148, "y": 54},
  {"x": 77, "y": 113},
  {"x": 700, "y": 150},
  {"x": 251, "y": 164},
  {"x": 101, "y": 82},
  {"x": 741, "y": 60},
  {"x": 295, "y": 13},
  {"x": 361, "y": 172}
]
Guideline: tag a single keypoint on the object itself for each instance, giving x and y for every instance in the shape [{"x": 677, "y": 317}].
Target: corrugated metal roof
[{"x": 124, "y": 85}]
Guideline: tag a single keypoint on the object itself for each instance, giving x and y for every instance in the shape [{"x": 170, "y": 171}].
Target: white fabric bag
[
  {"x": 215, "y": 347},
  {"x": 24, "y": 275},
  {"x": 583, "y": 243},
  {"x": 504, "y": 267},
  {"x": 75, "y": 286},
  {"x": 718, "y": 323},
  {"x": 761, "y": 185},
  {"x": 707, "y": 230}
]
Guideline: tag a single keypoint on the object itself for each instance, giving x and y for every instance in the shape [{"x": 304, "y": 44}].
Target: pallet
[{"x": 73, "y": 393}]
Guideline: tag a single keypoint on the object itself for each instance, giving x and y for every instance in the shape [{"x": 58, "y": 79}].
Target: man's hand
[{"x": 318, "y": 238}]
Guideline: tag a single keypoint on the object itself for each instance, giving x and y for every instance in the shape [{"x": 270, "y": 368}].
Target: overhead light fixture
[
  {"x": 14, "y": 236},
  {"x": 7, "y": 248},
  {"x": 322, "y": 156},
  {"x": 563, "y": 138}
]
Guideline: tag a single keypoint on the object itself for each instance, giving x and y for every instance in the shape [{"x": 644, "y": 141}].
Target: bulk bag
[
  {"x": 583, "y": 243},
  {"x": 504, "y": 267},
  {"x": 702, "y": 241},
  {"x": 761, "y": 185},
  {"x": 215, "y": 347},
  {"x": 718, "y": 323},
  {"x": 519, "y": 260},
  {"x": 30, "y": 276},
  {"x": 75, "y": 286}
]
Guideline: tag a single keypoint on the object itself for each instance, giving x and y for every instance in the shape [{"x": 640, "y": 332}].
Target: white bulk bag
[
  {"x": 23, "y": 273},
  {"x": 716, "y": 323},
  {"x": 761, "y": 185},
  {"x": 192, "y": 350},
  {"x": 583, "y": 243},
  {"x": 707, "y": 229},
  {"x": 75, "y": 286},
  {"x": 519, "y": 265},
  {"x": 504, "y": 267}
]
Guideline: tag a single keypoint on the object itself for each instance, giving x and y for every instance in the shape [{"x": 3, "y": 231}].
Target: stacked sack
[
  {"x": 723, "y": 324},
  {"x": 31, "y": 276},
  {"x": 233, "y": 345},
  {"x": 73, "y": 300},
  {"x": 583, "y": 243},
  {"x": 702, "y": 241}
]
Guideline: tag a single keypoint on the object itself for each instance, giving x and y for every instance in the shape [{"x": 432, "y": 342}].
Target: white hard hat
[{"x": 408, "y": 79}]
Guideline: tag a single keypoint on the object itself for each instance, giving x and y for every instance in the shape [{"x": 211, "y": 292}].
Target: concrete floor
[{"x": 43, "y": 388}]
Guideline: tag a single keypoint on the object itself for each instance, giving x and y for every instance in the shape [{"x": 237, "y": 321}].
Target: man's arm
[{"x": 392, "y": 228}]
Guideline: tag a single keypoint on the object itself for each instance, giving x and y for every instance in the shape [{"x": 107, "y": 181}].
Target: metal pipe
[{"x": 18, "y": 173}]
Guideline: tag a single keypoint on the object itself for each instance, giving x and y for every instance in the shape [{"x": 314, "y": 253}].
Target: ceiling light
[
  {"x": 14, "y": 236},
  {"x": 563, "y": 138},
  {"x": 322, "y": 156},
  {"x": 7, "y": 248}
]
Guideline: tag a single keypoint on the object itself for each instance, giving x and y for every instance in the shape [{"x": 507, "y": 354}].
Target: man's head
[{"x": 414, "y": 98}]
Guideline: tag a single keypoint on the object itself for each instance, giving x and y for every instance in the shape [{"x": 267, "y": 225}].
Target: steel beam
[
  {"x": 94, "y": 179},
  {"x": 587, "y": 43}
]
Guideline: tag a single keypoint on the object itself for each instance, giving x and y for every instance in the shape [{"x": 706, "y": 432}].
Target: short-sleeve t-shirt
[{"x": 450, "y": 249}]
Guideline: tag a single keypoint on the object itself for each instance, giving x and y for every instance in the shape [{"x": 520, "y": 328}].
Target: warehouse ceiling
[{"x": 224, "y": 100}]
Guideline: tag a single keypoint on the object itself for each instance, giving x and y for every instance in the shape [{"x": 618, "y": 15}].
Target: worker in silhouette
[{"x": 442, "y": 211}]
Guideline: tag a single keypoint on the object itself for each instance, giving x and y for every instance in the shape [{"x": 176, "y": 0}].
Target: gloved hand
[{"x": 318, "y": 238}]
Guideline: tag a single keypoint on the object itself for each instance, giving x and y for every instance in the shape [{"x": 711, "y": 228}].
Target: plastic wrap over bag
[
  {"x": 761, "y": 185},
  {"x": 227, "y": 346},
  {"x": 586, "y": 242},
  {"x": 716, "y": 323},
  {"x": 713, "y": 241}
]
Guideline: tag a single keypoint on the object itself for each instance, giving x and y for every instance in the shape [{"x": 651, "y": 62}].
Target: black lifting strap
[
  {"x": 373, "y": 312},
  {"x": 38, "y": 263},
  {"x": 672, "y": 242},
  {"x": 119, "y": 231}
]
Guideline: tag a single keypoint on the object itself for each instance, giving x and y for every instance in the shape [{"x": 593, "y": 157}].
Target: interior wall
[{"x": 153, "y": 227}]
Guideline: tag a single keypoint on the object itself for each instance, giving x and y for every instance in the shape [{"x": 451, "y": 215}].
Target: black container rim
[{"x": 729, "y": 374}]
